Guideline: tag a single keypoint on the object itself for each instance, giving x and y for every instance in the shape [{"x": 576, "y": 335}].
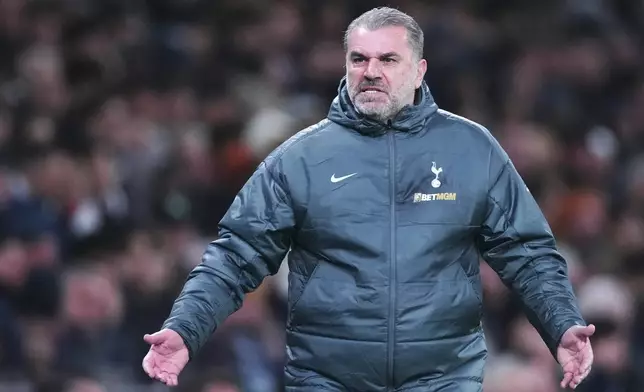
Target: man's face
[{"x": 382, "y": 71}]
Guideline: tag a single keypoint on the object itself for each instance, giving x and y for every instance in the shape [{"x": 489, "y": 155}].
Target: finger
[
  {"x": 587, "y": 371},
  {"x": 578, "y": 379},
  {"x": 155, "y": 338},
  {"x": 573, "y": 382},
  {"x": 164, "y": 377},
  {"x": 566, "y": 379},
  {"x": 585, "y": 332},
  {"x": 173, "y": 380},
  {"x": 585, "y": 374}
]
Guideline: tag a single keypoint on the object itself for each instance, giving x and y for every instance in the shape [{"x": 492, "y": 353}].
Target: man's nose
[{"x": 373, "y": 70}]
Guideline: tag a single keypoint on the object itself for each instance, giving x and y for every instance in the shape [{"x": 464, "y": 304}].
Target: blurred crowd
[{"x": 128, "y": 126}]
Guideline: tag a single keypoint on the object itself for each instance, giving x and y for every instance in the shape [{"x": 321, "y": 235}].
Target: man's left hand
[{"x": 575, "y": 355}]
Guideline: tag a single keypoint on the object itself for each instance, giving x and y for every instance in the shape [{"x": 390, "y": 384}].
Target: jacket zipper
[{"x": 392, "y": 263}]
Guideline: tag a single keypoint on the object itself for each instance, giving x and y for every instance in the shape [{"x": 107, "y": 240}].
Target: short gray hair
[{"x": 378, "y": 18}]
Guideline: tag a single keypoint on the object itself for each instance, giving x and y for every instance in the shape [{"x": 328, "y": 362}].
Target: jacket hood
[{"x": 409, "y": 119}]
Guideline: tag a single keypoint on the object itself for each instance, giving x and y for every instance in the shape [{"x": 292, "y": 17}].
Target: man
[{"x": 385, "y": 207}]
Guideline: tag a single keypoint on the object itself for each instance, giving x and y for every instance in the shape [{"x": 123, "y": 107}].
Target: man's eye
[
  {"x": 358, "y": 60},
  {"x": 388, "y": 60}
]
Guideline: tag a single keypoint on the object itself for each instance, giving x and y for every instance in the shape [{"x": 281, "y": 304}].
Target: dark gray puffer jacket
[{"x": 385, "y": 224}]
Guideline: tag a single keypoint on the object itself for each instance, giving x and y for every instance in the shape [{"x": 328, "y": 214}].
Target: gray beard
[{"x": 382, "y": 116}]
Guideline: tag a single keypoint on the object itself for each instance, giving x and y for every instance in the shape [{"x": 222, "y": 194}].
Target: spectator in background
[
  {"x": 84, "y": 385},
  {"x": 608, "y": 302},
  {"x": 512, "y": 374}
]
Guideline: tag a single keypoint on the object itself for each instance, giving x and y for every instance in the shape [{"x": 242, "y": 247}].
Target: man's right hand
[{"x": 167, "y": 356}]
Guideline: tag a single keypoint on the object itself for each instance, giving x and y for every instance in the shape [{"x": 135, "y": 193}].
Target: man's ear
[{"x": 422, "y": 68}]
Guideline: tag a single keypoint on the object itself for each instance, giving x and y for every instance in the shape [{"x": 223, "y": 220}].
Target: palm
[
  {"x": 166, "y": 358},
  {"x": 570, "y": 359},
  {"x": 575, "y": 355}
]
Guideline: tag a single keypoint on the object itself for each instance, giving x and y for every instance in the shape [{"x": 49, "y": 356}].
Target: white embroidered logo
[
  {"x": 335, "y": 179},
  {"x": 436, "y": 182}
]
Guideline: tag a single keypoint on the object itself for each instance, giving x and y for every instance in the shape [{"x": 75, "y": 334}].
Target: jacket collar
[{"x": 411, "y": 118}]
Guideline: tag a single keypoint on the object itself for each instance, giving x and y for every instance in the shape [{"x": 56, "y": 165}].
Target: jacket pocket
[
  {"x": 297, "y": 288},
  {"x": 474, "y": 282}
]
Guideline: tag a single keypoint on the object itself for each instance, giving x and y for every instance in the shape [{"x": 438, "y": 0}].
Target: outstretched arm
[
  {"x": 254, "y": 237},
  {"x": 518, "y": 244}
]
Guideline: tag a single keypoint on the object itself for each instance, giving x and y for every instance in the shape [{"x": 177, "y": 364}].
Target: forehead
[{"x": 373, "y": 42}]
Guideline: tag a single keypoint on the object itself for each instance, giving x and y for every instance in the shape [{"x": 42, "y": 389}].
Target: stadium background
[{"x": 127, "y": 127}]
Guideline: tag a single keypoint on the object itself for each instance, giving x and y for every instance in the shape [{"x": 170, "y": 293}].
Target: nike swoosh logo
[{"x": 335, "y": 179}]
